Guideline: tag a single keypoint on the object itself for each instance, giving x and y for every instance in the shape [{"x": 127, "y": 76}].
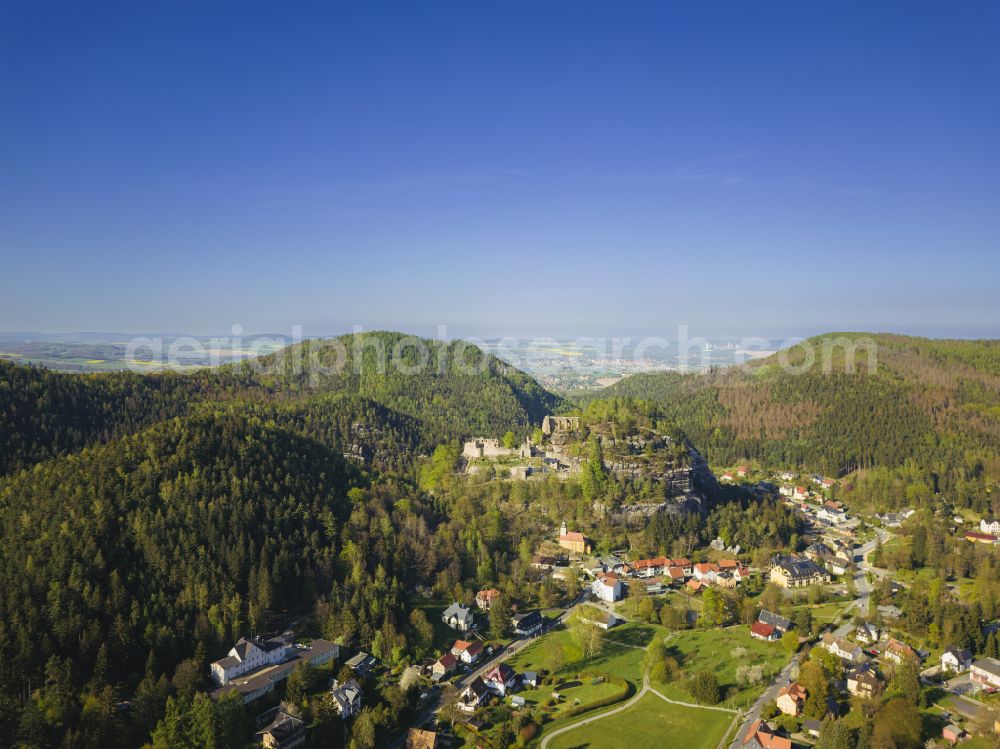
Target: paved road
[
  {"x": 768, "y": 694},
  {"x": 861, "y": 584},
  {"x": 515, "y": 647}
]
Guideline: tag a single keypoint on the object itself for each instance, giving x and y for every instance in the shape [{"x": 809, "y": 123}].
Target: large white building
[
  {"x": 248, "y": 655},
  {"x": 607, "y": 588},
  {"x": 990, "y": 526}
]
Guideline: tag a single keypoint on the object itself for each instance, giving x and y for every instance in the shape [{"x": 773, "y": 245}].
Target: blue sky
[{"x": 500, "y": 168}]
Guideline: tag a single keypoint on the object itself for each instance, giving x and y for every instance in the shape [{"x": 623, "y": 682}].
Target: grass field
[
  {"x": 712, "y": 650},
  {"x": 650, "y": 723}
]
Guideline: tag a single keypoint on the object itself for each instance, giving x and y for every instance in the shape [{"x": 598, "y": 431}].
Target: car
[{"x": 873, "y": 652}]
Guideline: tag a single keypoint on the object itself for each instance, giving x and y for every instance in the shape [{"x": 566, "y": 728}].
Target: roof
[
  {"x": 694, "y": 585},
  {"x": 840, "y": 643},
  {"x": 775, "y": 620},
  {"x": 525, "y": 615},
  {"x": 989, "y": 665},
  {"x": 361, "y": 659},
  {"x": 571, "y": 536},
  {"x": 761, "y": 630},
  {"x": 762, "y": 735},
  {"x": 489, "y": 594},
  {"x": 447, "y": 660},
  {"x": 476, "y": 646},
  {"x": 283, "y": 726},
  {"x": 899, "y": 647},
  {"x": 418, "y": 738},
  {"x": 500, "y": 673},
  {"x": 608, "y": 579},
  {"x": 794, "y": 690},
  {"x": 458, "y": 611},
  {"x": 961, "y": 654},
  {"x": 477, "y": 687}
]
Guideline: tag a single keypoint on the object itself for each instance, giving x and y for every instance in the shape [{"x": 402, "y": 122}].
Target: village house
[
  {"x": 543, "y": 562},
  {"x": 473, "y": 696},
  {"x": 777, "y": 621},
  {"x": 500, "y": 679},
  {"x": 284, "y": 732},
  {"x": 986, "y": 671},
  {"x": 527, "y": 623},
  {"x": 867, "y": 633},
  {"x": 444, "y": 667},
  {"x": 607, "y": 587},
  {"x": 575, "y": 541},
  {"x": 728, "y": 476},
  {"x": 800, "y": 492},
  {"x": 694, "y": 586},
  {"x": 797, "y": 572},
  {"x": 346, "y": 698},
  {"x": 862, "y": 681},
  {"x": 791, "y": 699},
  {"x": 786, "y": 476},
  {"x": 762, "y": 631},
  {"x": 419, "y": 738},
  {"x": 467, "y": 652},
  {"x": 706, "y": 572},
  {"x": 363, "y": 664},
  {"x": 674, "y": 574},
  {"x": 486, "y": 598},
  {"x": 842, "y": 648},
  {"x": 762, "y": 736},
  {"x": 956, "y": 659},
  {"x": 458, "y": 617},
  {"x": 896, "y": 651}
]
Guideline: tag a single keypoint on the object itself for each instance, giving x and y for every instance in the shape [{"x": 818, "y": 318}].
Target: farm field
[{"x": 650, "y": 723}]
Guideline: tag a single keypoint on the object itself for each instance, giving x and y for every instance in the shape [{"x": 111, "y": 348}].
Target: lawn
[
  {"x": 586, "y": 693},
  {"x": 557, "y": 652},
  {"x": 712, "y": 650},
  {"x": 650, "y": 723}
]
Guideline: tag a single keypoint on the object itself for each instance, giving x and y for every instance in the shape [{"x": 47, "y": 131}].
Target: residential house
[
  {"x": 956, "y": 659},
  {"x": 862, "y": 681},
  {"x": 986, "y": 671},
  {"x": 444, "y": 667},
  {"x": 685, "y": 564},
  {"x": 777, "y": 621},
  {"x": 786, "y": 476},
  {"x": 458, "y": 617},
  {"x": 797, "y": 572},
  {"x": 694, "y": 586},
  {"x": 800, "y": 492},
  {"x": 791, "y": 699},
  {"x": 543, "y": 562},
  {"x": 346, "y": 698},
  {"x": 742, "y": 470},
  {"x": 249, "y": 655},
  {"x": 674, "y": 574},
  {"x": 418, "y": 738},
  {"x": 838, "y": 565},
  {"x": 527, "y": 623},
  {"x": 362, "y": 664},
  {"x": 728, "y": 476},
  {"x": 706, "y": 572},
  {"x": 762, "y": 736},
  {"x": 842, "y": 648},
  {"x": 888, "y": 611},
  {"x": 575, "y": 541},
  {"x": 651, "y": 567},
  {"x": 867, "y": 633},
  {"x": 896, "y": 651},
  {"x": 473, "y": 696},
  {"x": 530, "y": 679},
  {"x": 284, "y": 732},
  {"x": 486, "y": 598},
  {"x": 762, "y": 631},
  {"x": 990, "y": 526},
  {"x": 467, "y": 652},
  {"x": 953, "y": 734},
  {"x": 607, "y": 587},
  {"x": 817, "y": 552},
  {"x": 500, "y": 679}
]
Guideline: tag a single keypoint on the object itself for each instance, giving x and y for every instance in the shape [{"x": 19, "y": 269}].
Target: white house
[
  {"x": 346, "y": 698},
  {"x": 842, "y": 648},
  {"x": 608, "y": 588},
  {"x": 473, "y": 696},
  {"x": 248, "y": 655},
  {"x": 458, "y": 617},
  {"x": 500, "y": 679},
  {"x": 990, "y": 526},
  {"x": 956, "y": 659},
  {"x": 467, "y": 651},
  {"x": 986, "y": 671}
]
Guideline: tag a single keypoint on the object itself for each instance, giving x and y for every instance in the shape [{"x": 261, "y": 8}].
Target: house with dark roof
[
  {"x": 346, "y": 698},
  {"x": 986, "y": 671},
  {"x": 798, "y": 572},
  {"x": 284, "y": 732},
  {"x": 862, "y": 681},
  {"x": 527, "y": 623},
  {"x": 777, "y": 621},
  {"x": 473, "y": 696},
  {"x": 500, "y": 679},
  {"x": 458, "y": 617},
  {"x": 956, "y": 659},
  {"x": 362, "y": 664}
]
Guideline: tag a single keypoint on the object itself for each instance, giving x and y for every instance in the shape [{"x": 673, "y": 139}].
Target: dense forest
[{"x": 912, "y": 417}]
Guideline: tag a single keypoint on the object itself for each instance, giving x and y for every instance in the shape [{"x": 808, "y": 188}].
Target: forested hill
[
  {"x": 442, "y": 391},
  {"x": 926, "y": 417}
]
